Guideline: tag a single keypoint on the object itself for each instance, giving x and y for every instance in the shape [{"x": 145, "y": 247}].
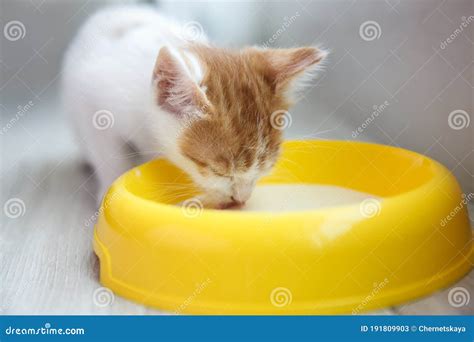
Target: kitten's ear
[
  {"x": 175, "y": 80},
  {"x": 290, "y": 69}
]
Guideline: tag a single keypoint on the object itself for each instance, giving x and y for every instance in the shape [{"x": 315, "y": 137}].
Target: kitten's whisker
[
  {"x": 170, "y": 197},
  {"x": 169, "y": 183},
  {"x": 171, "y": 188},
  {"x": 290, "y": 161}
]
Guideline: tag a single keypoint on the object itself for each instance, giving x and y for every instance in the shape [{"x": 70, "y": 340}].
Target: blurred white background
[{"x": 400, "y": 73}]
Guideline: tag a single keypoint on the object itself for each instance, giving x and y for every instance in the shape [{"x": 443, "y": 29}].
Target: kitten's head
[{"x": 219, "y": 112}]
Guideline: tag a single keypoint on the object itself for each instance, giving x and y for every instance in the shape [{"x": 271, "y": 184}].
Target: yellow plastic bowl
[{"x": 352, "y": 258}]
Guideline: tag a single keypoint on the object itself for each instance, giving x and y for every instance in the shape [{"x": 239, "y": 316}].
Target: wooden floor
[{"x": 48, "y": 266}]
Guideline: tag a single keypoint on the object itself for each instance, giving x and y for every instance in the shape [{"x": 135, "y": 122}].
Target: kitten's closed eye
[
  {"x": 219, "y": 173},
  {"x": 196, "y": 161},
  {"x": 206, "y": 166}
]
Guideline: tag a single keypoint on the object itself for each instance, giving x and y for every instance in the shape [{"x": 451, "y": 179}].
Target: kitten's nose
[
  {"x": 236, "y": 202},
  {"x": 242, "y": 193}
]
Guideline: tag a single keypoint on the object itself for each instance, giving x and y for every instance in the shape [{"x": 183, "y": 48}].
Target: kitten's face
[
  {"x": 219, "y": 105},
  {"x": 227, "y": 158}
]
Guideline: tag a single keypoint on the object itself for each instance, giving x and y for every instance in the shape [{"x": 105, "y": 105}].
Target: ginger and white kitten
[{"x": 131, "y": 78}]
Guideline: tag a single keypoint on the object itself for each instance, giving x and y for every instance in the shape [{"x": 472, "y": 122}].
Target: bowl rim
[{"x": 119, "y": 187}]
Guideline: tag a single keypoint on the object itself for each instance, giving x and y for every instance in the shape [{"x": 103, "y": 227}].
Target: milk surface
[{"x": 298, "y": 197}]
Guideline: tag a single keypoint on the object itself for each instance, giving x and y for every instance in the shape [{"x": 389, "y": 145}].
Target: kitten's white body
[
  {"x": 107, "y": 76},
  {"x": 131, "y": 78}
]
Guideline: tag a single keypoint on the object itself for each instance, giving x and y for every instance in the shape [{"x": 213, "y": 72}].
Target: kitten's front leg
[{"x": 110, "y": 156}]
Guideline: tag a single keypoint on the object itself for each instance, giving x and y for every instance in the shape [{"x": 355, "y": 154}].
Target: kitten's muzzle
[
  {"x": 235, "y": 202},
  {"x": 241, "y": 192}
]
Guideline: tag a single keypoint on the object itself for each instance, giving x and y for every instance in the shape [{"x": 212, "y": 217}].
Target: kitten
[{"x": 131, "y": 78}]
